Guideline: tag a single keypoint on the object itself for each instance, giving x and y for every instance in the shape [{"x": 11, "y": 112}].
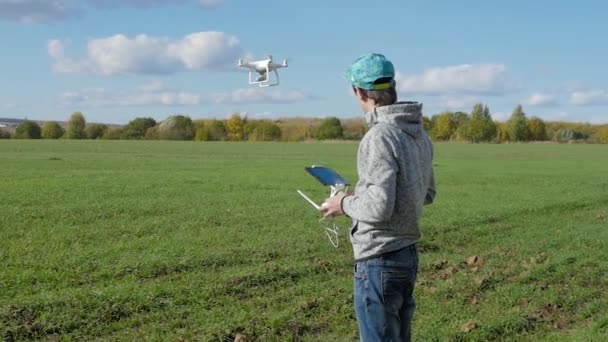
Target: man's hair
[{"x": 383, "y": 97}]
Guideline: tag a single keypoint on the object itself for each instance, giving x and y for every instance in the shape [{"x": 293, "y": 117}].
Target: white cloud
[
  {"x": 486, "y": 79},
  {"x": 566, "y": 117},
  {"x": 558, "y": 116},
  {"x": 63, "y": 64},
  {"x": 154, "y": 93},
  {"x": 458, "y": 102},
  {"x": 541, "y": 100},
  {"x": 36, "y": 11},
  {"x": 597, "y": 97},
  {"x": 258, "y": 95},
  {"x": 206, "y": 49},
  {"x": 261, "y": 116},
  {"x": 141, "y": 54},
  {"x": 500, "y": 116},
  {"x": 145, "y": 54},
  {"x": 598, "y": 119},
  {"x": 56, "y": 48},
  {"x": 551, "y": 116},
  {"x": 157, "y": 93},
  {"x": 43, "y": 11}
]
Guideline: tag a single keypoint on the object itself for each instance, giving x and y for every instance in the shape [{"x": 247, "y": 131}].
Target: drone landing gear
[{"x": 264, "y": 80}]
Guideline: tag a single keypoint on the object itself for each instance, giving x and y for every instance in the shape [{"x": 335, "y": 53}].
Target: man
[{"x": 394, "y": 166}]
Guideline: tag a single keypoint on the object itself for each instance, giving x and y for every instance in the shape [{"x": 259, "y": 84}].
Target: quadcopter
[
  {"x": 263, "y": 67},
  {"x": 327, "y": 177}
]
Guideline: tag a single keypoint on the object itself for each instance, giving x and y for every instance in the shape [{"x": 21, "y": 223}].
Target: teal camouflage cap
[{"x": 368, "y": 68}]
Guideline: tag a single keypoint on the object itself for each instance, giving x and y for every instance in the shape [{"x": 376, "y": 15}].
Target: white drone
[{"x": 263, "y": 67}]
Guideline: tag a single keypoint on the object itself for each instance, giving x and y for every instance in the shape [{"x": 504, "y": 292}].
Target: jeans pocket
[
  {"x": 359, "y": 272},
  {"x": 395, "y": 288}
]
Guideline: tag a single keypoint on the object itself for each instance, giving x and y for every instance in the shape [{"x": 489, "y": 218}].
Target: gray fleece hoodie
[{"x": 395, "y": 171}]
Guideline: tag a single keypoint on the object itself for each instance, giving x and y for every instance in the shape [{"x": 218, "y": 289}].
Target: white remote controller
[{"x": 318, "y": 207}]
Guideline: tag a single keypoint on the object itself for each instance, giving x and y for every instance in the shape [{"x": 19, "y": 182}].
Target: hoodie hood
[{"x": 405, "y": 115}]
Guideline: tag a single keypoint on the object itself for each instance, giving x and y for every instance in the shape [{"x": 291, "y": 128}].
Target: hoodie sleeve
[{"x": 377, "y": 171}]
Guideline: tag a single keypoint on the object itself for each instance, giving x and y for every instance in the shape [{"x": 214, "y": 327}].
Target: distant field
[{"x": 187, "y": 241}]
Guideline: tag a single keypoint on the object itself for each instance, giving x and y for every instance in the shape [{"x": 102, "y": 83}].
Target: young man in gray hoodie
[{"x": 395, "y": 171}]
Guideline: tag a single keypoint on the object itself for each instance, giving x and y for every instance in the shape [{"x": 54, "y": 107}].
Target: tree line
[
  {"x": 476, "y": 126},
  {"x": 182, "y": 127}
]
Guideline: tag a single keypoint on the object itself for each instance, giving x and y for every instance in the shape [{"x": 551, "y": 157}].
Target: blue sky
[{"x": 117, "y": 60}]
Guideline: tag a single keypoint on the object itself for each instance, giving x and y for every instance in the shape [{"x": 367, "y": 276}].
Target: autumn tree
[
  {"x": 95, "y": 131},
  {"x": 4, "y": 134},
  {"x": 297, "y": 129},
  {"x": 460, "y": 118},
  {"x": 480, "y": 127},
  {"x": 263, "y": 130},
  {"x": 76, "y": 126},
  {"x": 152, "y": 133},
  {"x": 601, "y": 135},
  {"x": 52, "y": 130},
  {"x": 112, "y": 133},
  {"x": 444, "y": 126},
  {"x": 330, "y": 128},
  {"x": 502, "y": 133},
  {"x": 354, "y": 129},
  {"x": 517, "y": 126},
  {"x": 216, "y": 131},
  {"x": 536, "y": 129},
  {"x": 27, "y": 130},
  {"x": 460, "y": 121},
  {"x": 200, "y": 131},
  {"x": 235, "y": 127},
  {"x": 176, "y": 127},
  {"x": 136, "y": 128},
  {"x": 569, "y": 134}
]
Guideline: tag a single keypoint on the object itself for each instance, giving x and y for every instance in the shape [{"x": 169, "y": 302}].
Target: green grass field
[{"x": 186, "y": 241}]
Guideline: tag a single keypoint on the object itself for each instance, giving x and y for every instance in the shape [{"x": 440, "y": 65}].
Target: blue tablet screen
[{"x": 326, "y": 175}]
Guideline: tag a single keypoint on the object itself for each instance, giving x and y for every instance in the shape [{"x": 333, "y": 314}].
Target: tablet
[{"x": 326, "y": 176}]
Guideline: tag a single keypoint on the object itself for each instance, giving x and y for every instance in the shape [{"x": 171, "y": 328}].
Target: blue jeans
[{"x": 384, "y": 295}]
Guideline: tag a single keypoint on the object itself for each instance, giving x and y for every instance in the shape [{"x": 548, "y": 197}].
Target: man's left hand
[{"x": 332, "y": 206}]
